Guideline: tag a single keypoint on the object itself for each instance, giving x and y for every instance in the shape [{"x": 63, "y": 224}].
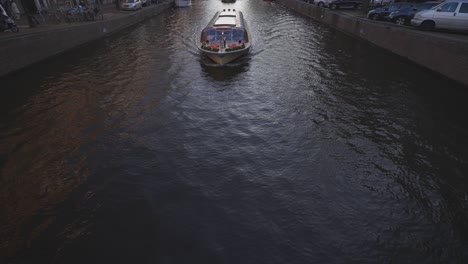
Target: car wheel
[
  {"x": 400, "y": 21},
  {"x": 333, "y": 6},
  {"x": 375, "y": 17},
  {"x": 427, "y": 25}
]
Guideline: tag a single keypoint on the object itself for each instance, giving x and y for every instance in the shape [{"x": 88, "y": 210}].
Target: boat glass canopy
[{"x": 229, "y": 34}]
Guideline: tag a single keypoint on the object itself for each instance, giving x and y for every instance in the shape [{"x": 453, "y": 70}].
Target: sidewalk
[{"x": 109, "y": 12}]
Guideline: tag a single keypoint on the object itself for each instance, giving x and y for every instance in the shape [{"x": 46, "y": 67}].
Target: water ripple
[{"x": 312, "y": 148}]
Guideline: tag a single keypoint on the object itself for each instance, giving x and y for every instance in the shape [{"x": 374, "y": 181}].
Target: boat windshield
[{"x": 214, "y": 35}]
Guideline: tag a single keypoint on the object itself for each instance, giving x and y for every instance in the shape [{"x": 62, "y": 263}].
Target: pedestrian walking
[
  {"x": 7, "y": 6},
  {"x": 15, "y": 10}
]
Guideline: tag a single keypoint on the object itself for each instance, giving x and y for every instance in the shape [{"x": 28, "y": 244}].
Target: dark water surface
[{"x": 313, "y": 148}]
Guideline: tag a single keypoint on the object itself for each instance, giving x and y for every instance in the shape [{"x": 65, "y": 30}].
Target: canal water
[{"x": 313, "y": 148}]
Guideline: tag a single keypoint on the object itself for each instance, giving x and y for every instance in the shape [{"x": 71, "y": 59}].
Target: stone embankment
[
  {"x": 446, "y": 54},
  {"x": 23, "y": 49}
]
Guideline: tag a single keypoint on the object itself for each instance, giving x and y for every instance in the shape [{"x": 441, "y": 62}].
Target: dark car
[
  {"x": 404, "y": 16},
  {"x": 337, "y": 4},
  {"x": 382, "y": 13}
]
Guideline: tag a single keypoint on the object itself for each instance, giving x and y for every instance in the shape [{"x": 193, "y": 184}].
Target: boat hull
[{"x": 223, "y": 58}]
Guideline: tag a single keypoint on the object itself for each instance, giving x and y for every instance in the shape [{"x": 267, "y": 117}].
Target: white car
[
  {"x": 451, "y": 14},
  {"x": 131, "y": 4}
]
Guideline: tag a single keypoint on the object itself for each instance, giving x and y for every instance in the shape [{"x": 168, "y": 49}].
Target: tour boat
[
  {"x": 182, "y": 3},
  {"x": 226, "y": 37}
]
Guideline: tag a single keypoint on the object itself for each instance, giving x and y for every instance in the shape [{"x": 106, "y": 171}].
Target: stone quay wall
[
  {"x": 23, "y": 49},
  {"x": 446, "y": 54}
]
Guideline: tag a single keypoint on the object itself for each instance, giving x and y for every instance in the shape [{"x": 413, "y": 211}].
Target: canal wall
[
  {"x": 446, "y": 54},
  {"x": 23, "y": 49}
]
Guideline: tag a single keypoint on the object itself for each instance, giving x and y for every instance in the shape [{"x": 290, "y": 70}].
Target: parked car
[
  {"x": 382, "y": 13},
  {"x": 131, "y": 5},
  {"x": 452, "y": 14},
  {"x": 337, "y": 4},
  {"x": 404, "y": 16},
  {"x": 379, "y": 3},
  {"x": 322, "y": 3}
]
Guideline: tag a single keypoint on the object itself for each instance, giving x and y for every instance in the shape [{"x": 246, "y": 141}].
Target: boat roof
[
  {"x": 225, "y": 21},
  {"x": 227, "y": 18},
  {"x": 228, "y": 13}
]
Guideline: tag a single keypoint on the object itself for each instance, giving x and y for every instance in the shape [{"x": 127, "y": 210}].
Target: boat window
[
  {"x": 227, "y": 35},
  {"x": 238, "y": 35},
  {"x": 216, "y": 35},
  {"x": 210, "y": 34}
]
